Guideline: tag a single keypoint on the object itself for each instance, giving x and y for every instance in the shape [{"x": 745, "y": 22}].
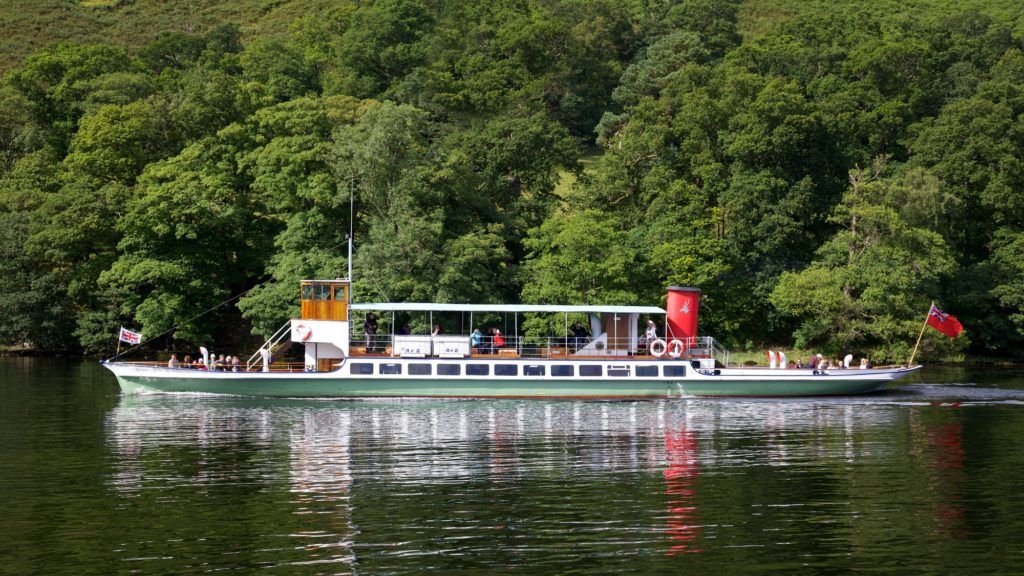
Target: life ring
[
  {"x": 675, "y": 348},
  {"x": 303, "y": 332},
  {"x": 657, "y": 347}
]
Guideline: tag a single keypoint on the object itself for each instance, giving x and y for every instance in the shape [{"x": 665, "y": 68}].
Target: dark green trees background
[{"x": 822, "y": 171}]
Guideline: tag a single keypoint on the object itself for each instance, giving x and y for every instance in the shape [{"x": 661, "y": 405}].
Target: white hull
[{"x": 521, "y": 378}]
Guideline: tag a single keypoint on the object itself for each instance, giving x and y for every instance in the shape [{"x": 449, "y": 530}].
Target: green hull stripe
[{"x": 436, "y": 388}]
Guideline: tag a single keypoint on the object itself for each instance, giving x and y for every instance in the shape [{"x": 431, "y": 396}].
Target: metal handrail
[
  {"x": 546, "y": 347},
  {"x": 269, "y": 345}
]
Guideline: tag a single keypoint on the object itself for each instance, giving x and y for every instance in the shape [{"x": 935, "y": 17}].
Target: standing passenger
[{"x": 370, "y": 329}]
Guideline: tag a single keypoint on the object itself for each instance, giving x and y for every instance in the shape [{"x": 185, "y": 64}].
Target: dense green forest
[{"x": 822, "y": 171}]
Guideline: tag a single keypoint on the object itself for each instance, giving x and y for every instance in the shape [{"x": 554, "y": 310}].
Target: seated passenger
[
  {"x": 499, "y": 340},
  {"x": 476, "y": 341}
]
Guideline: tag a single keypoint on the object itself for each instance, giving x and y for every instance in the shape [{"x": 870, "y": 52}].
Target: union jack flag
[{"x": 129, "y": 336}]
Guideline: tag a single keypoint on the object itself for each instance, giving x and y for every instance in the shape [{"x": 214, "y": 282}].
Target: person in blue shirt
[{"x": 476, "y": 339}]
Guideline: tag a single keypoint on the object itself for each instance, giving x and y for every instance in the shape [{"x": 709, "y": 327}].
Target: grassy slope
[
  {"x": 758, "y": 16},
  {"x": 28, "y": 25}
]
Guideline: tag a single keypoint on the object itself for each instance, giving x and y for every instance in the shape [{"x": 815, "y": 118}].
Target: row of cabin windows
[{"x": 364, "y": 368}]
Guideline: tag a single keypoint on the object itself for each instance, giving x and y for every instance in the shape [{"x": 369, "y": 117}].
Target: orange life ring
[{"x": 657, "y": 347}]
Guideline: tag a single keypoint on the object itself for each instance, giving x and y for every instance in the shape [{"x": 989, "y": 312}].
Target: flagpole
[
  {"x": 925, "y": 326},
  {"x": 118, "y": 353}
]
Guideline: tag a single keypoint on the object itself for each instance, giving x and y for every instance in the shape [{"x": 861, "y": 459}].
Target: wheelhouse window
[
  {"x": 322, "y": 292},
  {"x": 307, "y": 291},
  {"x": 674, "y": 371},
  {"x": 536, "y": 370},
  {"x": 420, "y": 370},
  {"x": 478, "y": 369},
  {"x": 562, "y": 370},
  {"x": 646, "y": 371},
  {"x": 360, "y": 368},
  {"x": 390, "y": 369},
  {"x": 590, "y": 370},
  {"x": 449, "y": 369},
  {"x": 506, "y": 370}
]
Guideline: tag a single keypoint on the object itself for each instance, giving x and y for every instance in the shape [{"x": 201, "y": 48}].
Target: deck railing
[
  {"x": 604, "y": 346},
  {"x": 275, "y": 367}
]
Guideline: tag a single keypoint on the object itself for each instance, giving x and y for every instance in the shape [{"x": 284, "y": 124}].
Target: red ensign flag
[{"x": 944, "y": 323}]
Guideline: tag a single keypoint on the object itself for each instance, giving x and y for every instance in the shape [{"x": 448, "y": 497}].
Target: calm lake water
[{"x": 925, "y": 479}]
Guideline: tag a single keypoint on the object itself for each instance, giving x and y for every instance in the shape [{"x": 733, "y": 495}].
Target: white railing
[
  {"x": 283, "y": 332},
  {"x": 460, "y": 346}
]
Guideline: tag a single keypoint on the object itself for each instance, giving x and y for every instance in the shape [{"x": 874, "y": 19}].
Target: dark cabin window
[
  {"x": 420, "y": 369},
  {"x": 360, "y": 368},
  {"x": 477, "y": 369},
  {"x": 675, "y": 371},
  {"x": 534, "y": 370},
  {"x": 619, "y": 371},
  {"x": 586, "y": 370},
  {"x": 562, "y": 370},
  {"x": 646, "y": 370},
  {"x": 506, "y": 370},
  {"x": 390, "y": 369},
  {"x": 449, "y": 369}
]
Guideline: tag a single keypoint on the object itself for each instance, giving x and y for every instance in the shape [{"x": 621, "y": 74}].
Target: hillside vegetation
[{"x": 822, "y": 171}]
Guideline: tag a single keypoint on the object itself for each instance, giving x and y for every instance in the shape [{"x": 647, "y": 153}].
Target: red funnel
[{"x": 682, "y": 311}]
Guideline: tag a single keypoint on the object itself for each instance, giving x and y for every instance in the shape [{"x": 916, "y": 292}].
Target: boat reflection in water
[
  {"x": 340, "y": 480},
  {"x": 680, "y": 476},
  {"x": 942, "y": 454}
]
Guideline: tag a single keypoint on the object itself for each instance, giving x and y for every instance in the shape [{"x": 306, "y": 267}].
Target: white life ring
[
  {"x": 675, "y": 348},
  {"x": 657, "y": 347},
  {"x": 303, "y": 332}
]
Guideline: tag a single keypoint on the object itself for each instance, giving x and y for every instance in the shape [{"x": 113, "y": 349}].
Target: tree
[
  {"x": 192, "y": 237},
  {"x": 293, "y": 170},
  {"x": 871, "y": 283},
  {"x": 383, "y": 43}
]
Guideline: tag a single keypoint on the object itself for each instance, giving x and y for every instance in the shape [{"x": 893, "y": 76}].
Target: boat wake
[{"x": 953, "y": 394}]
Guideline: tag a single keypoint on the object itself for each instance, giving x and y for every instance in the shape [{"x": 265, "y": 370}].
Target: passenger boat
[{"x": 615, "y": 362}]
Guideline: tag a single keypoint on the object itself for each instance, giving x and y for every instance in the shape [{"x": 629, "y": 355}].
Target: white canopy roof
[{"x": 515, "y": 308}]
